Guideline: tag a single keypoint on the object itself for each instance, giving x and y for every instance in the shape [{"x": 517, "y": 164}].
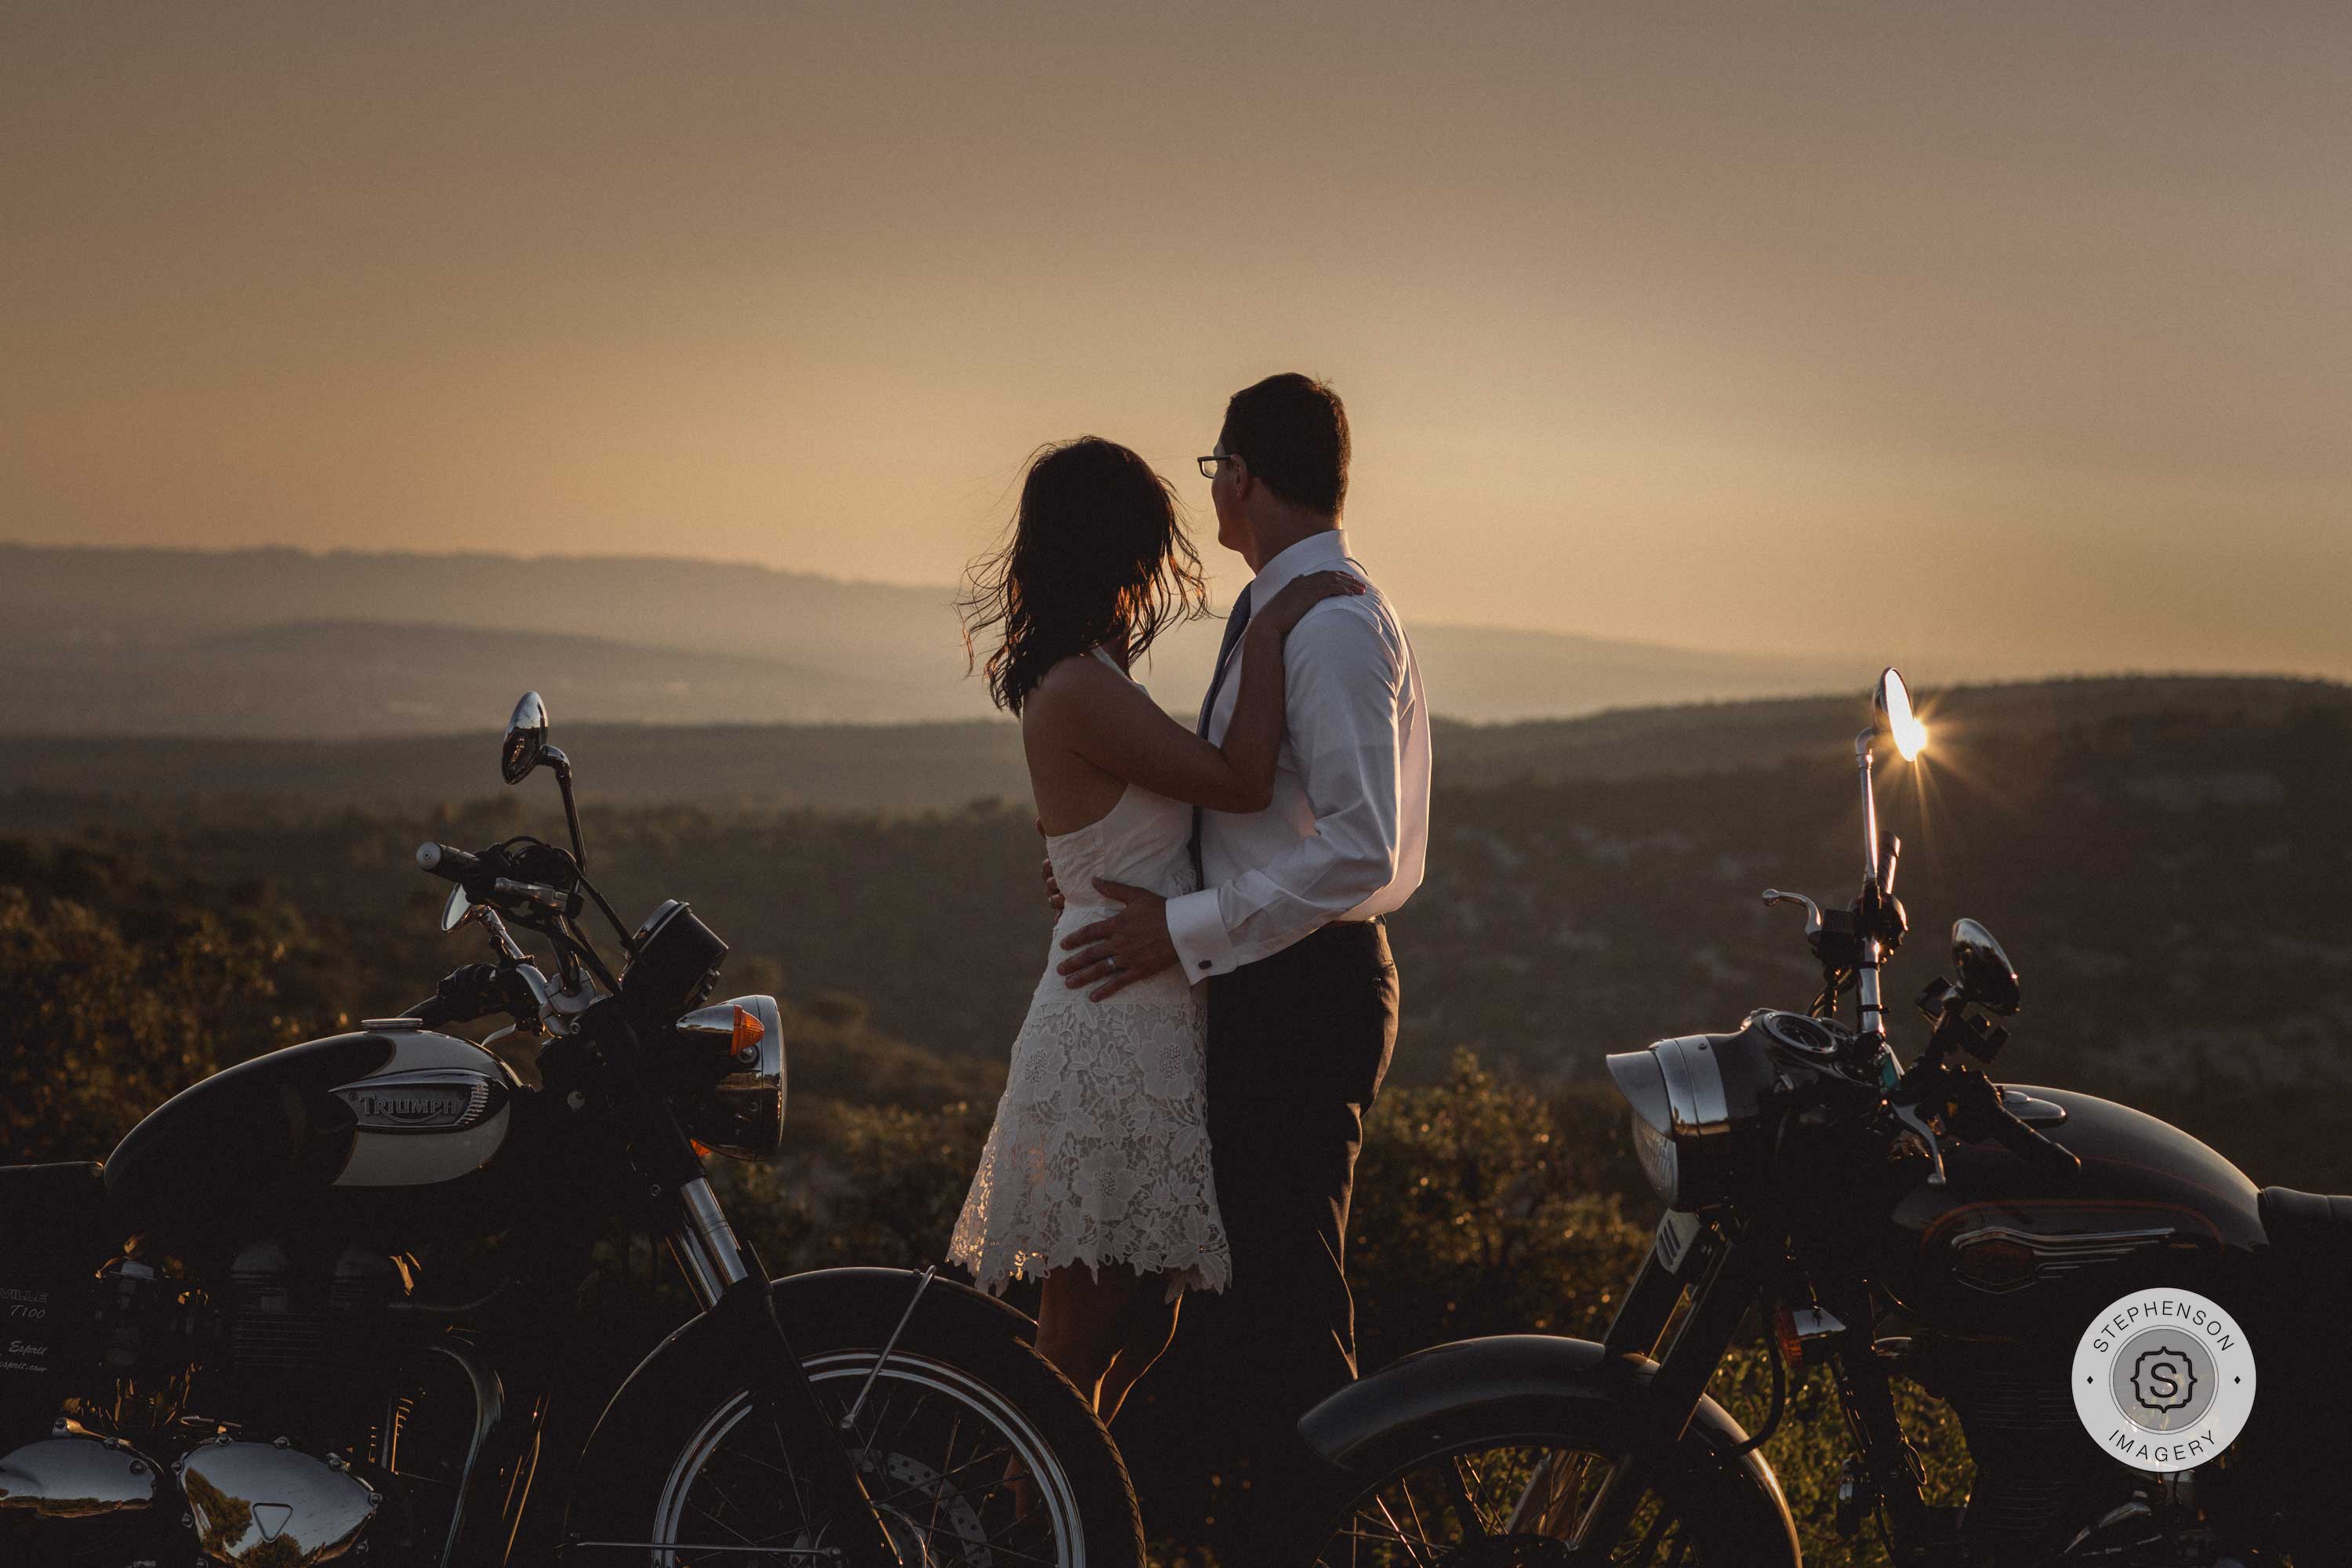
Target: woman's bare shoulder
[{"x": 1073, "y": 690}]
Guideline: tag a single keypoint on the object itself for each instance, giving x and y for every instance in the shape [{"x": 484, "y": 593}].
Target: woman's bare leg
[
  {"x": 1083, "y": 1320},
  {"x": 1088, "y": 1321},
  {"x": 1150, "y": 1327}
]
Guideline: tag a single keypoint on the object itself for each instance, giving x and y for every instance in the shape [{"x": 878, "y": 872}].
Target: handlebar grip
[{"x": 450, "y": 865}]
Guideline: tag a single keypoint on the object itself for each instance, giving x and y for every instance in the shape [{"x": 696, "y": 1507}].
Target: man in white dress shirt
[{"x": 1287, "y": 932}]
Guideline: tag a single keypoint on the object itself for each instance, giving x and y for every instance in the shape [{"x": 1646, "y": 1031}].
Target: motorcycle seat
[{"x": 2313, "y": 1223}]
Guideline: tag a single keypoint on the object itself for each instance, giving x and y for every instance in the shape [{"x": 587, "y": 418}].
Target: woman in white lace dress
[{"x": 1096, "y": 1176}]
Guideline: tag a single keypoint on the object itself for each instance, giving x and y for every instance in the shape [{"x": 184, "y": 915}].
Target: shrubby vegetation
[
  {"x": 2155, "y": 875},
  {"x": 115, "y": 996}
]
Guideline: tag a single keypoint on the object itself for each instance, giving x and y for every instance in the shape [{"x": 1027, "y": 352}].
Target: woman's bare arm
[{"x": 1125, "y": 733}]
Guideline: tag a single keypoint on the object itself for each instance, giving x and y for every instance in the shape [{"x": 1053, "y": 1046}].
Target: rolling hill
[
  {"x": 286, "y": 643},
  {"x": 854, "y": 766}
]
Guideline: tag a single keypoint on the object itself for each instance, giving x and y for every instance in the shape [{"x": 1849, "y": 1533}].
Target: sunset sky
[{"x": 2014, "y": 336}]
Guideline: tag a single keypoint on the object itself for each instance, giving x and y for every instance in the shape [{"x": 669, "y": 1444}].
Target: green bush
[
  {"x": 1476, "y": 1212},
  {"x": 97, "y": 1027}
]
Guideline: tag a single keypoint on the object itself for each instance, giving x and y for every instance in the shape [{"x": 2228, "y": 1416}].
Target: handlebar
[
  {"x": 474, "y": 990},
  {"x": 480, "y": 876}
]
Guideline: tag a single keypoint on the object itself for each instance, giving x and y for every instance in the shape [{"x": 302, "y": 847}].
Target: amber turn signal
[{"x": 749, "y": 1032}]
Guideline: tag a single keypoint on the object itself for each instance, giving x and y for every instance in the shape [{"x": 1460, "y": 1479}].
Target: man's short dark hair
[{"x": 1292, "y": 431}]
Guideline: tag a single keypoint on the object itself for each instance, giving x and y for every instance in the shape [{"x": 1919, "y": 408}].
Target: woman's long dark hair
[{"x": 1097, "y": 556}]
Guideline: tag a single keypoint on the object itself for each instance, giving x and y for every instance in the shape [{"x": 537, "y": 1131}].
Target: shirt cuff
[{"x": 1196, "y": 928}]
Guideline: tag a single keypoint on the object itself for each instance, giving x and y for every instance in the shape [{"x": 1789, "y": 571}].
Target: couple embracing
[{"x": 1186, "y": 1094}]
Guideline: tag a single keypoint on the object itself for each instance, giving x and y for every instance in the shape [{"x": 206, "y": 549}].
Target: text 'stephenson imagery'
[{"x": 922, "y": 787}]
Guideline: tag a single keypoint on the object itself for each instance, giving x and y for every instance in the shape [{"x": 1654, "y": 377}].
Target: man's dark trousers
[{"x": 1299, "y": 1043}]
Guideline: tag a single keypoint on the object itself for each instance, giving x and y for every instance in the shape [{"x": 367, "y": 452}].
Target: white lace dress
[{"x": 1101, "y": 1150}]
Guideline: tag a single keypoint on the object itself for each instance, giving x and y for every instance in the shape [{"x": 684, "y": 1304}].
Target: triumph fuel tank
[
  {"x": 2008, "y": 1241},
  {"x": 374, "y": 1122}
]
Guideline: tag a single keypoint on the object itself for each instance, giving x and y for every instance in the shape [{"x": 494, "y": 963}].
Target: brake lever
[
  {"x": 500, "y": 937},
  {"x": 539, "y": 894},
  {"x": 1812, "y": 909},
  {"x": 1909, "y": 1116},
  {"x": 1982, "y": 1103},
  {"x": 2033, "y": 1143}
]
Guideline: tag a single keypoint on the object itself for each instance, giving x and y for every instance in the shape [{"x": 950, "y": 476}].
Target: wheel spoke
[
  {"x": 1650, "y": 1537},
  {"x": 1500, "y": 1504},
  {"x": 1395, "y": 1533},
  {"x": 937, "y": 1463},
  {"x": 1466, "y": 1507},
  {"x": 940, "y": 1493},
  {"x": 792, "y": 1472}
]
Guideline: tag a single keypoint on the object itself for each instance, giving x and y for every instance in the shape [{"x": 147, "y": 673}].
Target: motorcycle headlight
[
  {"x": 740, "y": 1112},
  {"x": 1682, "y": 1125},
  {"x": 1655, "y": 1151}
]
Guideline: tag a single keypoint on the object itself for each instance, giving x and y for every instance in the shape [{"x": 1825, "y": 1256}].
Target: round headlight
[
  {"x": 1681, "y": 1123},
  {"x": 1655, "y": 1151},
  {"x": 741, "y": 1112}
]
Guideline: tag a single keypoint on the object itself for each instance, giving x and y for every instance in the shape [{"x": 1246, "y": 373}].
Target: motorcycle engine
[
  {"x": 2042, "y": 1492},
  {"x": 2017, "y": 1412},
  {"x": 256, "y": 1505},
  {"x": 276, "y": 1462},
  {"x": 305, "y": 1337}
]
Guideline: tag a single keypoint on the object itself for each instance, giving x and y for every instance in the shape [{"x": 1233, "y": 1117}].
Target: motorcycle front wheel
[
  {"x": 974, "y": 1450},
  {"x": 1513, "y": 1500}
]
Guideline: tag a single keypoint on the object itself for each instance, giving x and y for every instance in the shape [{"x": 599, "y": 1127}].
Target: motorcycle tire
[
  {"x": 1449, "y": 1506},
  {"x": 695, "y": 1473}
]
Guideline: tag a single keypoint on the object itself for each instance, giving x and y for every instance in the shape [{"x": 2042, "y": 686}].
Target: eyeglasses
[{"x": 1214, "y": 461}]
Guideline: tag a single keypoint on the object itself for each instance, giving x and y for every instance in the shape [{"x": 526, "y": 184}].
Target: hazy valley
[{"x": 285, "y": 643}]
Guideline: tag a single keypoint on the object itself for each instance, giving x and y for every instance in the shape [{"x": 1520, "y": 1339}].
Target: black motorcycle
[
  {"x": 2086, "y": 1288},
  {"x": 320, "y": 1307}
]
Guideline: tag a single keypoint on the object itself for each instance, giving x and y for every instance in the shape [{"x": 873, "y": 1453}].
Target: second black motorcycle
[{"x": 2041, "y": 1260}]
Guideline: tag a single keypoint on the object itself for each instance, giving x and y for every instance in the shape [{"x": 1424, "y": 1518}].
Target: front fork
[
  {"x": 732, "y": 1289},
  {"x": 1719, "y": 1272},
  {"x": 1693, "y": 1304},
  {"x": 727, "y": 1280},
  {"x": 1719, "y": 1289}
]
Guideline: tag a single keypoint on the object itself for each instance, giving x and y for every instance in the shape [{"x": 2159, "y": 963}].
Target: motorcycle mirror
[
  {"x": 1986, "y": 978},
  {"x": 1893, "y": 700},
  {"x": 453, "y": 913},
  {"x": 525, "y": 745}
]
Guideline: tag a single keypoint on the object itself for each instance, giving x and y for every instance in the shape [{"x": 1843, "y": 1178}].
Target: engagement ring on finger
[{"x": 1114, "y": 966}]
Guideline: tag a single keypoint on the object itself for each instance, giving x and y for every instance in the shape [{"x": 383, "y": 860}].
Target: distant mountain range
[
  {"x": 915, "y": 767},
  {"x": 286, "y": 643}
]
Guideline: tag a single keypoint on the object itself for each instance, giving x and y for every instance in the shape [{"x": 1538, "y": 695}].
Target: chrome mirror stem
[
  {"x": 1870, "y": 1009},
  {"x": 501, "y": 938}
]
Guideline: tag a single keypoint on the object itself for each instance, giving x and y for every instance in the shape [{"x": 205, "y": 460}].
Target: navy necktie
[{"x": 1235, "y": 623}]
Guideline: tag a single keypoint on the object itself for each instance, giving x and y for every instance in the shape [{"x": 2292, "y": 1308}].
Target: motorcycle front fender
[{"x": 1530, "y": 1385}]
